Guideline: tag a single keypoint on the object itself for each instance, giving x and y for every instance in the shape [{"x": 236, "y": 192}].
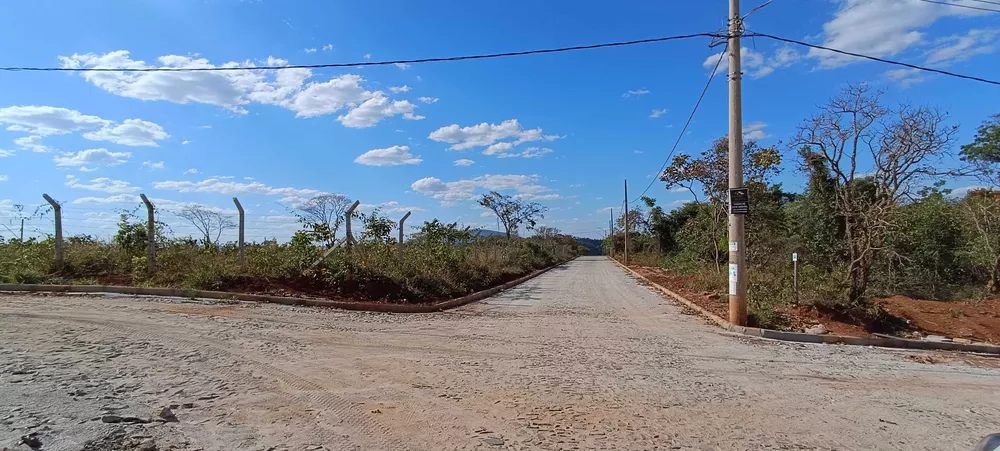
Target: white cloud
[
  {"x": 6, "y": 153},
  {"x": 658, "y": 113},
  {"x": 185, "y": 142},
  {"x": 399, "y": 89},
  {"x": 679, "y": 189},
  {"x": 906, "y": 77},
  {"x": 636, "y": 92},
  {"x": 392, "y": 156},
  {"x": 310, "y": 50},
  {"x": 132, "y": 132},
  {"x": 191, "y": 171},
  {"x": 92, "y": 157},
  {"x": 755, "y": 130},
  {"x": 47, "y": 120},
  {"x": 159, "y": 204},
  {"x": 961, "y": 48},
  {"x": 963, "y": 191},
  {"x": 116, "y": 199},
  {"x": 535, "y": 152},
  {"x": 754, "y": 63},
  {"x": 328, "y": 47},
  {"x": 465, "y": 189},
  {"x": 205, "y": 127},
  {"x": 500, "y": 148},
  {"x": 880, "y": 27},
  {"x": 576, "y": 185},
  {"x": 426, "y": 99},
  {"x": 375, "y": 109},
  {"x": 368, "y": 56},
  {"x": 464, "y": 162},
  {"x": 389, "y": 207},
  {"x": 218, "y": 185},
  {"x": 234, "y": 90},
  {"x": 32, "y": 143},
  {"x": 102, "y": 184},
  {"x": 328, "y": 97},
  {"x": 3, "y": 178},
  {"x": 484, "y": 134},
  {"x": 153, "y": 165},
  {"x": 402, "y": 66}
]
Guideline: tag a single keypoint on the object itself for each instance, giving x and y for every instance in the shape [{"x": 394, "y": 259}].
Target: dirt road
[{"x": 582, "y": 357}]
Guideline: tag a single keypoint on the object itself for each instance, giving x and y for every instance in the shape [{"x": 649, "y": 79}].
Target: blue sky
[{"x": 564, "y": 129}]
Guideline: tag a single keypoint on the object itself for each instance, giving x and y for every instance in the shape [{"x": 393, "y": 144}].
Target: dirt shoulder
[
  {"x": 973, "y": 320},
  {"x": 581, "y": 357}
]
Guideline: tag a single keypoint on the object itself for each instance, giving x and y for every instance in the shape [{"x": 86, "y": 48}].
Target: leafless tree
[
  {"x": 323, "y": 216},
  {"x": 905, "y": 146},
  {"x": 210, "y": 223}
]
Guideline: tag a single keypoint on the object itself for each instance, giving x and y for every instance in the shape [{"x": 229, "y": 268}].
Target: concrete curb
[
  {"x": 286, "y": 300},
  {"x": 814, "y": 338}
]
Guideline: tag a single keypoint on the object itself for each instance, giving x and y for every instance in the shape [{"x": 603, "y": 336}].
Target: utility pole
[
  {"x": 737, "y": 248},
  {"x": 611, "y": 230},
  {"x": 626, "y": 222}
]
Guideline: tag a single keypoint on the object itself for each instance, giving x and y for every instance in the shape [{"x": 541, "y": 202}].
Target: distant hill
[
  {"x": 593, "y": 246},
  {"x": 485, "y": 233}
]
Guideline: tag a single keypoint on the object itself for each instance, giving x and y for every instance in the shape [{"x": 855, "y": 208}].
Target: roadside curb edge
[
  {"x": 802, "y": 337},
  {"x": 285, "y": 300}
]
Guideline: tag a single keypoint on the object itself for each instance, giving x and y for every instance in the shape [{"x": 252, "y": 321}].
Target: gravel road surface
[{"x": 582, "y": 357}]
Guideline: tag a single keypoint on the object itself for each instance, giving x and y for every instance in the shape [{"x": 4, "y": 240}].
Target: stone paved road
[{"x": 582, "y": 357}]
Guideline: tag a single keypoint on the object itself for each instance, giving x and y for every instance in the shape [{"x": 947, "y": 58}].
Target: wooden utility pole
[
  {"x": 626, "y": 222},
  {"x": 611, "y": 230},
  {"x": 737, "y": 248}
]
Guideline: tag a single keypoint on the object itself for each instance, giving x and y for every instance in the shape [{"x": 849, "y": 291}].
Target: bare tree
[
  {"x": 210, "y": 223},
  {"x": 904, "y": 145},
  {"x": 323, "y": 216},
  {"x": 512, "y": 211}
]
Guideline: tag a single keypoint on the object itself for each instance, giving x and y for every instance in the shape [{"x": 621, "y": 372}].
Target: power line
[
  {"x": 874, "y": 58},
  {"x": 686, "y": 124},
  {"x": 365, "y": 63},
  {"x": 959, "y": 5}
]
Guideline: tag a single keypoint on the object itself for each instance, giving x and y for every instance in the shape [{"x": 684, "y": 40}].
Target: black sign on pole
[{"x": 739, "y": 201}]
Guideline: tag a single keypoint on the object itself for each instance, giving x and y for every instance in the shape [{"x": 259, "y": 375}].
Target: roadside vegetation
[
  {"x": 438, "y": 261},
  {"x": 874, "y": 219}
]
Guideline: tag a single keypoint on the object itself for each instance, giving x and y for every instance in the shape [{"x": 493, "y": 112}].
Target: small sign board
[
  {"x": 739, "y": 201},
  {"x": 795, "y": 256}
]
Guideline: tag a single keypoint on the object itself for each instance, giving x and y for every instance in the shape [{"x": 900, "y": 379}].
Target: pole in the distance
[
  {"x": 150, "y": 235},
  {"x": 737, "y": 248},
  {"x": 240, "y": 254},
  {"x": 626, "y": 222},
  {"x": 57, "y": 211},
  {"x": 611, "y": 230}
]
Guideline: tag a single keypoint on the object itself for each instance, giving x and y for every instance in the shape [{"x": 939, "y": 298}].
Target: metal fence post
[
  {"x": 242, "y": 225},
  {"x": 401, "y": 221},
  {"x": 150, "y": 236},
  {"x": 57, "y": 209},
  {"x": 347, "y": 223}
]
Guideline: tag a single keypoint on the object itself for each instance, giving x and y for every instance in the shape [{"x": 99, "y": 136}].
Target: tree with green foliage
[
  {"x": 709, "y": 174},
  {"x": 905, "y": 146},
  {"x": 512, "y": 211}
]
